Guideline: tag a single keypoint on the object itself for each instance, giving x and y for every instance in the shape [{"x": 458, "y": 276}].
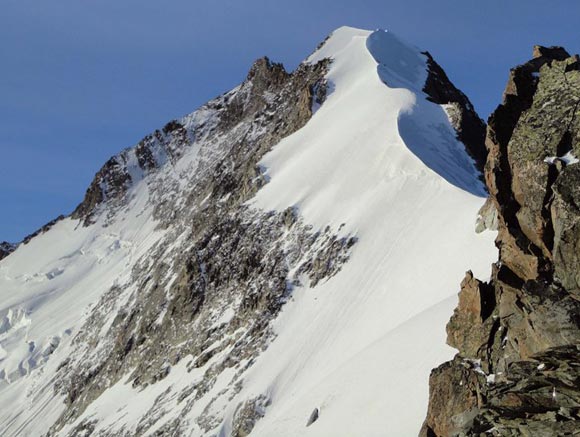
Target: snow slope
[
  {"x": 360, "y": 346},
  {"x": 376, "y": 160},
  {"x": 72, "y": 267}
]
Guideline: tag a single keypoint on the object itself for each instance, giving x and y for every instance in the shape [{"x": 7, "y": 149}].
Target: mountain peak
[{"x": 246, "y": 263}]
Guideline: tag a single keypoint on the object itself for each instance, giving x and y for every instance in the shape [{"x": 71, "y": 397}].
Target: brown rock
[
  {"x": 476, "y": 304},
  {"x": 530, "y": 310}
]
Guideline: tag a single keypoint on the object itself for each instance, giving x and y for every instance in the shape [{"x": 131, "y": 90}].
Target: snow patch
[{"x": 567, "y": 159}]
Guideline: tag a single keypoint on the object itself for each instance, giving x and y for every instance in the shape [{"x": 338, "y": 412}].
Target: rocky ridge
[
  {"x": 6, "y": 249},
  {"x": 218, "y": 253},
  {"x": 518, "y": 367}
]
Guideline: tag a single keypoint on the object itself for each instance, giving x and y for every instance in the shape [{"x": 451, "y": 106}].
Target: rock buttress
[{"x": 518, "y": 367}]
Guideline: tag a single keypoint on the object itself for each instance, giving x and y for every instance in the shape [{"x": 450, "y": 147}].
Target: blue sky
[{"x": 81, "y": 80}]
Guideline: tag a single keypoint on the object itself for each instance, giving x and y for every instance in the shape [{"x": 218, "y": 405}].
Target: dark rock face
[
  {"x": 470, "y": 128},
  {"x": 313, "y": 417},
  {"x": 540, "y": 397},
  {"x": 110, "y": 182},
  {"x": 518, "y": 367},
  {"x": 6, "y": 249}
]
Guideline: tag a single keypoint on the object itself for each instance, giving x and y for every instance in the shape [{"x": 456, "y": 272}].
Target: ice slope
[{"x": 376, "y": 160}]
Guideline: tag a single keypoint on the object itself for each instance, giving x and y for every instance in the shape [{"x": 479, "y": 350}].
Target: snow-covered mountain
[{"x": 282, "y": 261}]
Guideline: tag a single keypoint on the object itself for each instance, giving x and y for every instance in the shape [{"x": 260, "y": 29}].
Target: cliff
[{"x": 518, "y": 367}]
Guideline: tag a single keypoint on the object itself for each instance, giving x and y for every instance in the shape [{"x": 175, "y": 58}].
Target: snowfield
[{"x": 376, "y": 160}]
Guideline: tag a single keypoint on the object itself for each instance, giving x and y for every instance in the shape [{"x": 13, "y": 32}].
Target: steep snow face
[
  {"x": 360, "y": 346},
  {"x": 359, "y": 142},
  {"x": 376, "y": 161}
]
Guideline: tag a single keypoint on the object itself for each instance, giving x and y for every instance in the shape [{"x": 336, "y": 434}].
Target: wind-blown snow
[{"x": 376, "y": 160}]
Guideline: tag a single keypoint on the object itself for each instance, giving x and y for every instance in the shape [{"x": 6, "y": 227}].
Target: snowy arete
[{"x": 280, "y": 262}]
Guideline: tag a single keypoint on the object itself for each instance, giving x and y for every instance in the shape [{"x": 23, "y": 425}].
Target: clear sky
[{"x": 81, "y": 80}]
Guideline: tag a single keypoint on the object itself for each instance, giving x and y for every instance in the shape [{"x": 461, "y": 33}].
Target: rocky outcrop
[
  {"x": 247, "y": 415},
  {"x": 487, "y": 217},
  {"x": 518, "y": 367},
  {"x": 113, "y": 180},
  {"x": 469, "y": 127},
  {"x": 6, "y": 249}
]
